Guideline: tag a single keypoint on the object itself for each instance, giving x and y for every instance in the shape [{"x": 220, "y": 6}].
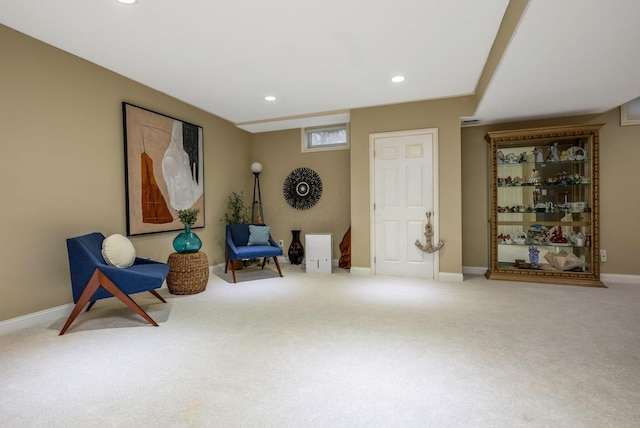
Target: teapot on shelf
[
  {"x": 520, "y": 238},
  {"x": 540, "y": 207},
  {"x": 577, "y": 207},
  {"x": 576, "y": 239}
]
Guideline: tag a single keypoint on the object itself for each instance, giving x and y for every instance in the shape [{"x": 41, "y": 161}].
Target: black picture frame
[{"x": 164, "y": 170}]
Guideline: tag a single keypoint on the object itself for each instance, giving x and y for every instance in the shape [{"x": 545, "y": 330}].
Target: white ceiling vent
[{"x": 469, "y": 121}]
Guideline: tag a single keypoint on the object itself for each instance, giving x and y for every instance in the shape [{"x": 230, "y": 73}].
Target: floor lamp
[{"x": 256, "y": 208}]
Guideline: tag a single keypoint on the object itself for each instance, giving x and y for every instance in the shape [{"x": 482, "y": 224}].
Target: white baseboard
[
  {"x": 474, "y": 270},
  {"x": 604, "y": 277},
  {"x": 444, "y": 276},
  {"x": 35, "y": 319},
  {"x": 450, "y": 277},
  {"x": 619, "y": 279},
  {"x": 360, "y": 271}
]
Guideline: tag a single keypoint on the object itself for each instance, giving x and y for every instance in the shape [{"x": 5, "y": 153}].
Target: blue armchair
[
  {"x": 238, "y": 248},
  {"x": 93, "y": 279}
]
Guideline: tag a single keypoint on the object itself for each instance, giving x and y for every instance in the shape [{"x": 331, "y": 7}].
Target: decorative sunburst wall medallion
[{"x": 302, "y": 188}]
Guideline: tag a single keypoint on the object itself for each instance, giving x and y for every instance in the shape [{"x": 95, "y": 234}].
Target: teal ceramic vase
[{"x": 187, "y": 242}]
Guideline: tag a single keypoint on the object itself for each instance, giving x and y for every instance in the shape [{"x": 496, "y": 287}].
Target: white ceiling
[{"x": 322, "y": 58}]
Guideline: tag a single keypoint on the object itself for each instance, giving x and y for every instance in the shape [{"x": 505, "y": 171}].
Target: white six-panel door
[{"x": 404, "y": 166}]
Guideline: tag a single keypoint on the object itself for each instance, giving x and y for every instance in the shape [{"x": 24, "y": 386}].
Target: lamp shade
[{"x": 256, "y": 167}]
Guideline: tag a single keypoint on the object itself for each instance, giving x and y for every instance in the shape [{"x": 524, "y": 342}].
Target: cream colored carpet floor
[{"x": 335, "y": 351}]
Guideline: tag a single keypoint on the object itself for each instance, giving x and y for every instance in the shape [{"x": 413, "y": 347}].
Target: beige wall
[
  {"x": 280, "y": 153},
  {"x": 442, "y": 114},
  {"x": 619, "y": 201},
  {"x": 62, "y": 167}
]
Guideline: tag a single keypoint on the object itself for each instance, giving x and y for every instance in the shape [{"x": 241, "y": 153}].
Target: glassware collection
[{"x": 544, "y": 205}]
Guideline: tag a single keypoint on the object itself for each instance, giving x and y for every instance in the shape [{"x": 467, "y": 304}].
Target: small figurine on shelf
[
  {"x": 523, "y": 157},
  {"x": 557, "y": 237},
  {"x": 535, "y": 177},
  {"x": 537, "y": 153},
  {"x": 536, "y": 196},
  {"x": 552, "y": 154}
]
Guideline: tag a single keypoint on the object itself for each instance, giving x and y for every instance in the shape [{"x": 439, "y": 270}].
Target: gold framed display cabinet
[{"x": 545, "y": 205}]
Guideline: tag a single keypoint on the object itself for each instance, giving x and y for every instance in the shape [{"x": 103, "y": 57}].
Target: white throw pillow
[{"x": 118, "y": 251}]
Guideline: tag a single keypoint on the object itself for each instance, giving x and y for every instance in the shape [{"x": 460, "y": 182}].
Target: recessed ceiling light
[
  {"x": 127, "y": 1},
  {"x": 270, "y": 98},
  {"x": 397, "y": 79}
]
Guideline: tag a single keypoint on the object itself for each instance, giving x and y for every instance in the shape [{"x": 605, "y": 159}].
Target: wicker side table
[{"x": 188, "y": 273}]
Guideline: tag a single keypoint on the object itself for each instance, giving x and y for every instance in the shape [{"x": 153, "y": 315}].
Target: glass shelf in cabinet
[
  {"x": 544, "y": 244},
  {"x": 543, "y": 266},
  {"x": 541, "y": 214},
  {"x": 546, "y": 163},
  {"x": 547, "y": 184}
]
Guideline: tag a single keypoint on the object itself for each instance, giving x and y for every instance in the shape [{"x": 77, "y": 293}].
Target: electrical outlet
[
  {"x": 603, "y": 255},
  {"x": 281, "y": 242}
]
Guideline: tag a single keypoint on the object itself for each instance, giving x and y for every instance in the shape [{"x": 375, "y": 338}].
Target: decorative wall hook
[{"x": 428, "y": 234}]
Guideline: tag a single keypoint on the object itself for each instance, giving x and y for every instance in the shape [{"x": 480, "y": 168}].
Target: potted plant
[
  {"x": 187, "y": 241},
  {"x": 237, "y": 213}
]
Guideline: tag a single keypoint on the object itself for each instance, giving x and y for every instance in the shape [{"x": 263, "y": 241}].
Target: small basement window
[{"x": 333, "y": 137}]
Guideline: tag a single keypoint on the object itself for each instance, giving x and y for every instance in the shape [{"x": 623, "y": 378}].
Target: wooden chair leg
[
  {"x": 275, "y": 259},
  {"x": 233, "y": 268},
  {"x": 100, "y": 279},
  {"x": 233, "y": 271},
  {"x": 264, "y": 262},
  {"x": 155, "y": 293},
  {"x": 113, "y": 289},
  {"x": 91, "y": 305},
  {"x": 89, "y": 290}
]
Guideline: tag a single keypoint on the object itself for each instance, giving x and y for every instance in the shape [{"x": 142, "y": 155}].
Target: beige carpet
[{"x": 336, "y": 351}]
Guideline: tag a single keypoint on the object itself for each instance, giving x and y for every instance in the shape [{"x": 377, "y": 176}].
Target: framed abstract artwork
[{"x": 164, "y": 170}]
